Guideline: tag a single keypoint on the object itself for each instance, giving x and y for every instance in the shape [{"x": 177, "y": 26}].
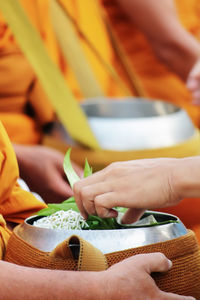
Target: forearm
[
  {"x": 185, "y": 178},
  {"x": 29, "y": 283},
  {"x": 159, "y": 22},
  {"x": 180, "y": 56}
]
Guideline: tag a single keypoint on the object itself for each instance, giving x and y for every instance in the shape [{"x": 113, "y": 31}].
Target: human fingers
[
  {"x": 90, "y": 197},
  {"x": 104, "y": 205},
  {"x": 77, "y": 169},
  {"x": 59, "y": 186},
  {"x": 132, "y": 215},
  {"x": 150, "y": 262},
  {"x": 154, "y": 262},
  {"x": 81, "y": 185},
  {"x": 192, "y": 83},
  {"x": 196, "y": 96},
  {"x": 77, "y": 196}
]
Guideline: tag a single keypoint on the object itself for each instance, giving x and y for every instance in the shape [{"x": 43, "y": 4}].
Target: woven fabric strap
[
  {"x": 184, "y": 252},
  {"x": 89, "y": 258}
]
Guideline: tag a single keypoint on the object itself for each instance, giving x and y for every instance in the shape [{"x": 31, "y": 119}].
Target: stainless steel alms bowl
[
  {"x": 105, "y": 240},
  {"x": 137, "y": 123}
]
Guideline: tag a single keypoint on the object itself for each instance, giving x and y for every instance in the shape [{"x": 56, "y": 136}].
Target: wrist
[
  {"x": 90, "y": 286},
  {"x": 186, "y": 177}
]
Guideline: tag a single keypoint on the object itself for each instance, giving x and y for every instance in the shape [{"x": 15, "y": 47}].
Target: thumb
[
  {"x": 192, "y": 83},
  {"x": 132, "y": 215},
  {"x": 61, "y": 187},
  {"x": 156, "y": 262}
]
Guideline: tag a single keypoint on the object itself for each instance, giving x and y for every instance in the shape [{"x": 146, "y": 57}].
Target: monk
[
  {"x": 26, "y": 112},
  {"x": 31, "y": 283}
]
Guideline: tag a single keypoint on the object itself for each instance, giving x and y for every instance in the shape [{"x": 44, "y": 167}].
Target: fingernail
[
  {"x": 85, "y": 216},
  {"x": 170, "y": 263},
  {"x": 112, "y": 214}
]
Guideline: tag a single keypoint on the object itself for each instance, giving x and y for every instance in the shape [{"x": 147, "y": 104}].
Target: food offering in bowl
[
  {"x": 58, "y": 237},
  {"x": 57, "y": 222}
]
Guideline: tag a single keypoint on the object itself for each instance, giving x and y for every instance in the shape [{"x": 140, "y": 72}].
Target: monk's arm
[
  {"x": 42, "y": 169},
  {"x": 30, "y": 283},
  {"x": 129, "y": 279},
  {"x": 159, "y": 22}
]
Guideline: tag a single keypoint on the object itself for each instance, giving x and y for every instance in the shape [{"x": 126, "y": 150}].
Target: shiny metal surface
[
  {"x": 137, "y": 124},
  {"x": 105, "y": 240}
]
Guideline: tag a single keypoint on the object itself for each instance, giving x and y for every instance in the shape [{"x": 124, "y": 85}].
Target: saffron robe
[{"x": 15, "y": 203}]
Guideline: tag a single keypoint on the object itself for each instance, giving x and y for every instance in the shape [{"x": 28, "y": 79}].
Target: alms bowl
[
  {"x": 137, "y": 123},
  {"x": 105, "y": 240}
]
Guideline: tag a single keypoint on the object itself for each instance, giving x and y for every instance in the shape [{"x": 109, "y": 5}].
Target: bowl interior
[
  {"x": 160, "y": 217},
  {"x": 129, "y": 108}
]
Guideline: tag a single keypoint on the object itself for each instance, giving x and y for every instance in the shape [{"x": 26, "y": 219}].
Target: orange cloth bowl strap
[
  {"x": 62, "y": 257},
  {"x": 184, "y": 252},
  {"x": 5, "y": 234}
]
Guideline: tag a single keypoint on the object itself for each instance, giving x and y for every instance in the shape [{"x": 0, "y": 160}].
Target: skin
[
  {"x": 171, "y": 43},
  {"x": 193, "y": 83},
  {"x": 42, "y": 169},
  {"x": 138, "y": 185},
  {"x": 131, "y": 277}
]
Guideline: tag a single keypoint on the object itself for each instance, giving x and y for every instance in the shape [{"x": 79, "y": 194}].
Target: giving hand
[{"x": 139, "y": 184}]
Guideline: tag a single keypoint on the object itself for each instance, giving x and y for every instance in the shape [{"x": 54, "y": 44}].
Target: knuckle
[
  {"x": 85, "y": 193},
  {"x": 161, "y": 257},
  {"x": 90, "y": 208},
  {"x": 98, "y": 201},
  {"x": 102, "y": 212},
  {"x": 76, "y": 187},
  {"x": 112, "y": 169}
]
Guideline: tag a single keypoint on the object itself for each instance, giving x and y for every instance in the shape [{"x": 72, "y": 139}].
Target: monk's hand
[
  {"x": 193, "y": 83},
  {"x": 42, "y": 169},
  {"x": 131, "y": 279},
  {"x": 139, "y": 184}
]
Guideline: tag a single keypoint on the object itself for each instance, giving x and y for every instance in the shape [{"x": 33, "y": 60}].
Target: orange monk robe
[
  {"x": 15, "y": 203},
  {"x": 24, "y": 107},
  {"x": 157, "y": 79},
  {"x": 87, "y": 15},
  {"x": 20, "y": 88}
]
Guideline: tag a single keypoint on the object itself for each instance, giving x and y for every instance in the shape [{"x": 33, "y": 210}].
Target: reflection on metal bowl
[
  {"x": 105, "y": 240},
  {"x": 137, "y": 124}
]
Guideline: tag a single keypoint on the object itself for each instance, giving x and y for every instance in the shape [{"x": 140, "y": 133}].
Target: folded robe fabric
[
  {"x": 23, "y": 103},
  {"x": 24, "y": 107},
  {"x": 15, "y": 203}
]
